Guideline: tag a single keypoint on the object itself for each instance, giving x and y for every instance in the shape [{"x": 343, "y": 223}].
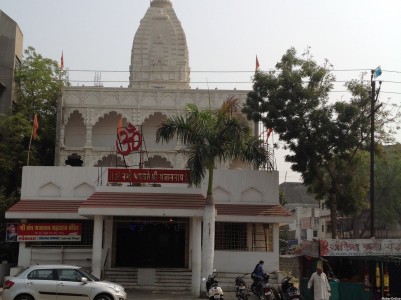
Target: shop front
[{"x": 357, "y": 268}]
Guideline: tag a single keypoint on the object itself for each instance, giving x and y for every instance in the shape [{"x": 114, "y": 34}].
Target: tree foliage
[
  {"x": 38, "y": 87},
  {"x": 323, "y": 138},
  {"x": 209, "y": 137},
  {"x": 39, "y": 83},
  {"x": 388, "y": 186},
  {"x": 8, "y": 251}
]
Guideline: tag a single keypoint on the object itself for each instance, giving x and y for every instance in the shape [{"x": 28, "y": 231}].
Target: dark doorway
[{"x": 150, "y": 244}]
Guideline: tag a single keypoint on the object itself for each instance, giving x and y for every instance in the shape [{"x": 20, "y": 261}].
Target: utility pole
[{"x": 374, "y": 73}]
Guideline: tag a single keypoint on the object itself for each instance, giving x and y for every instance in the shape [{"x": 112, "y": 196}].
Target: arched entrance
[{"x": 151, "y": 242}]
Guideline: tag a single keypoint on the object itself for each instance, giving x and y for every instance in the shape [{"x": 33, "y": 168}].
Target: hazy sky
[{"x": 222, "y": 35}]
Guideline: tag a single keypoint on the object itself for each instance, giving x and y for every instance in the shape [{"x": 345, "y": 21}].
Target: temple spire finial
[{"x": 160, "y": 3}]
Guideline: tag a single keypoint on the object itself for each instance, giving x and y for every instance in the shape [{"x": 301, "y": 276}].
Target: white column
[
  {"x": 108, "y": 240},
  {"x": 97, "y": 246},
  {"x": 88, "y": 143},
  {"x": 24, "y": 253},
  {"x": 196, "y": 238},
  {"x": 209, "y": 219}
]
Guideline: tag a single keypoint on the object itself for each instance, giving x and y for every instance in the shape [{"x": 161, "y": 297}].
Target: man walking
[{"x": 320, "y": 283}]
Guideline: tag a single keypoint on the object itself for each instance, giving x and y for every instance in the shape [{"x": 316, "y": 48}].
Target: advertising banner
[
  {"x": 360, "y": 247},
  {"x": 49, "y": 232}
]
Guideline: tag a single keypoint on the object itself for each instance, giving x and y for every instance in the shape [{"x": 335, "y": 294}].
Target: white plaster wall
[
  {"x": 245, "y": 261},
  {"x": 24, "y": 255},
  {"x": 79, "y": 183},
  {"x": 251, "y": 186},
  {"x": 66, "y": 178}
]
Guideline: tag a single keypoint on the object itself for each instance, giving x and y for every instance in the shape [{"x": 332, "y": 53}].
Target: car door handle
[{"x": 30, "y": 283}]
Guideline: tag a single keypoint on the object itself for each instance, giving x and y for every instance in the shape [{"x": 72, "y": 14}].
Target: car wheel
[
  {"x": 103, "y": 297},
  {"x": 24, "y": 297}
]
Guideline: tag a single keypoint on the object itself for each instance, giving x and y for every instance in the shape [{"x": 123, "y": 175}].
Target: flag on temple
[
  {"x": 62, "y": 61},
  {"x": 257, "y": 64},
  {"x": 269, "y": 132}
]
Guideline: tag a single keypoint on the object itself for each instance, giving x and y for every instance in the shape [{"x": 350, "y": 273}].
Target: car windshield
[{"x": 88, "y": 275}]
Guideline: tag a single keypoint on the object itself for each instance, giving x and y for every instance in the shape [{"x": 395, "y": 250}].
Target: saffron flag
[
  {"x": 62, "y": 61},
  {"x": 377, "y": 72},
  {"x": 35, "y": 127},
  {"x": 269, "y": 132},
  {"x": 257, "y": 64}
]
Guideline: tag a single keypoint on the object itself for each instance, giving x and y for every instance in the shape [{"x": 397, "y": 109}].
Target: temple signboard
[
  {"x": 148, "y": 176},
  {"x": 360, "y": 247},
  {"x": 49, "y": 232}
]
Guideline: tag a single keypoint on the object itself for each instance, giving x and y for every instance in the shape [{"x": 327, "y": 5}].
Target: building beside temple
[
  {"x": 11, "y": 41},
  {"x": 137, "y": 211}
]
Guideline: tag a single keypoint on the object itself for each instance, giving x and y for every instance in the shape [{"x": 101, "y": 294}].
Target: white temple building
[{"x": 145, "y": 227}]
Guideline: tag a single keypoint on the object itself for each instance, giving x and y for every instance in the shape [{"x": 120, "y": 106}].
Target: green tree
[
  {"x": 8, "y": 250},
  {"x": 388, "y": 186},
  {"x": 209, "y": 137},
  {"x": 323, "y": 138},
  {"x": 39, "y": 84},
  {"x": 38, "y": 87}
]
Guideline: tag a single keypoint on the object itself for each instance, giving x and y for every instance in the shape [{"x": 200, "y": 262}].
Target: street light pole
[
  {"x": 372, "y": 156},
  {"x": 374, "y": 95}
]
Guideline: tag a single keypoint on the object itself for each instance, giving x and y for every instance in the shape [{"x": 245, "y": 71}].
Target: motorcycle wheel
[
  {"x": 254, "y": 290},
  {"x": 272, "y": 297},
  {"x": 242, "y": 296},
  {"x": 275, "y": 294}
]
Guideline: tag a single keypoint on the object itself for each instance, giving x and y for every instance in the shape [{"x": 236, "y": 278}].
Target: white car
[{"x": 59, "y": 282}]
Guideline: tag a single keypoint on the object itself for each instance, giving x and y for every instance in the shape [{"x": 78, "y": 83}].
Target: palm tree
[{"x": 209, "y": 137}]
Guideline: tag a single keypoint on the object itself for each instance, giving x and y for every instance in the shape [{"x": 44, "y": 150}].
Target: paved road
[{"x": 134, "y": 295}]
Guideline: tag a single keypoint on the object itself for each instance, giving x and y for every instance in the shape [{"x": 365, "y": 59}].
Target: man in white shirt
[{"x": 320, "y": 283}]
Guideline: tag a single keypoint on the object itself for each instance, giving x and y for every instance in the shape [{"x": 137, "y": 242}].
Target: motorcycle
[
  {"x": 241, "y": 291},
  {"x": 288, "y": 291},
  {"x": 214, "y": 291},
  {"x": 261, "y": 288}
]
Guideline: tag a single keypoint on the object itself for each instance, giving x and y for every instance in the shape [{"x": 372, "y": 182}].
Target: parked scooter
[
  {"x": 242, "y": 290},
  {"x": 214, "y": 291},
  {"x": 288, "y": 291},
  {"x": 261, "y": 288}
]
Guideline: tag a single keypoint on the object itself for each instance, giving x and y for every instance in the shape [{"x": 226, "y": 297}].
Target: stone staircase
[
  {"x": 172, "y": 280},
  {"x": 166, "y": 280}
]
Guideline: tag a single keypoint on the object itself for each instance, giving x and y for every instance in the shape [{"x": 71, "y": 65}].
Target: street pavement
[{"x": 135, "y": 295}]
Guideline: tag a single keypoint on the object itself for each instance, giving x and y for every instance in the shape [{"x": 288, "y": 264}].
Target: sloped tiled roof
[
  {"x": 46, "y": 206},
  {"x": 252, "y": 210},
  {"x": 145, "y": 200},
  {"x": 117, "y": 200}
]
